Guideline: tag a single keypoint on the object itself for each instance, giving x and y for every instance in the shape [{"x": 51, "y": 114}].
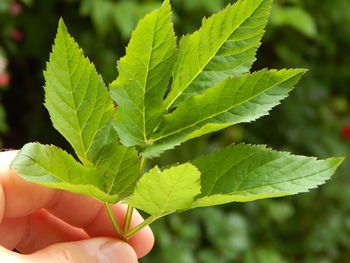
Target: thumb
[
  {"x": 10, "y": 257},
  {"x": 95, "y": 250}
]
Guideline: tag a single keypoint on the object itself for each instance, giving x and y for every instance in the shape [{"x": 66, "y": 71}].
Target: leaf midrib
[
  {"x": 54, "y": 175},
  {"x": 221, "y": 112},
  {"x": 117, "y": 172},
  {"x": 281, "y": 182},
  {"x": 72, "y": 96},
  {"x": 269, "y": 185},
  {"x": 146, "y": 81}
]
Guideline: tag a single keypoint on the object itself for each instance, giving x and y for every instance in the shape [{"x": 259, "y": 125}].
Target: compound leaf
[
  {"x": 162, "y": 192},
  {"x": 75, "y": 95},
  {"x": 209, "y": 92},
  {"x": 235, "y": 100},
  {"x": 224, "y": 46},
  {"x": 144, "y": 73},
  {"x": 242, "y": 173}
]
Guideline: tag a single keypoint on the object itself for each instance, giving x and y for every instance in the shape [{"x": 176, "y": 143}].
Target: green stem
[
  {"x": 128, "y": 218},
  {"x": 143, "y": 164},
  {"x": 129, "y": 212},
  {"x": 145, "y": 223},
  {"x": 112, "y": 218}
]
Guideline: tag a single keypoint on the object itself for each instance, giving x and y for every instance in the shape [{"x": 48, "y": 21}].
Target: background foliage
[{"x": 314, "y": 120}]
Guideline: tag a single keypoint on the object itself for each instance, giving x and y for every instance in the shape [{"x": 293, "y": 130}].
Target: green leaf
[
  {"x": 144, "y": 74},
  {"x": 162, "y": 192},
  {"x": 112, "y": 180},
  {"x": 118, "y": 165},
  {"x": 224, "y": 46},
  {"x": 102, "y": 15},
  {"x": 104, "y": 137},
  {"x": 242, "y": 173},
  {"x": 127, "y": 14},
  {"x": 50, "y": 166},
  {"x": 76, "y": 97},
  {"x": 305, "y": 23},
  {"x": 235, "y": 100}
]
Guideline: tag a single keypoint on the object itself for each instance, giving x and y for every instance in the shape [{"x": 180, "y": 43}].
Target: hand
[{"x": 49, "y": 225}]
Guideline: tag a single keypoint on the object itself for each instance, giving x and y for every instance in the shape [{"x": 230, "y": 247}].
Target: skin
[{"x": 34, "y": 217}]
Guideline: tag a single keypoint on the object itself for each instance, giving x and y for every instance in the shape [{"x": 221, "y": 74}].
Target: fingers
[
  {"x": 44, "y": 229},
  {"x": 34, "y": 232},
  {"x": 6, "y": 158},
  {"x": 77, "y": 210},
  {"x": 11, "y": 257},
  {"x": 21, "y": 197},
  {"x": 100, "y": 250},
  {"x": 2, "y": 203},
  {"x": 12, "y": 231},
  {"x": 89, "y": 214},
  {"x": 41, "y": 229},
  {"x": 142, "y": 242}
]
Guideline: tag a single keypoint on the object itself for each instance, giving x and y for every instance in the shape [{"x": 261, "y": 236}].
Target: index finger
[{"x": 21, "y": 197}]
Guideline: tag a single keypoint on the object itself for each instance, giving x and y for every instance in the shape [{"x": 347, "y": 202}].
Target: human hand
[{"x": 49, "y": 225}]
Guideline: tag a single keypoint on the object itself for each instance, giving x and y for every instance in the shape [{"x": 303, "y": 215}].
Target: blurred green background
[{"x": 314, "y": 120}]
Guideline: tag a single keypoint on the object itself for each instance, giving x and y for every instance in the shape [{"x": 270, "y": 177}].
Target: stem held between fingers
[
  {"x": 145, "y": 223},
  {"x": 113, "y": 220},
  {"x": 128, "y": 218},
  {"x": 129, "y": 212}
]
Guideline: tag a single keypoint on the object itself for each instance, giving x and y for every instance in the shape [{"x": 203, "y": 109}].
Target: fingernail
[{"x": 117, "y": 252}]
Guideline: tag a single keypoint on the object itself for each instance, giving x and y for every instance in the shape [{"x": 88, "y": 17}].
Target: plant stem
[
  {"x": 128, "y": 218},
  {"x": 129, "y": 212},
  {"x": 143, "y": 164},
  {"x": 112, "y": 218},
  {"x": 145, "y": 223}
]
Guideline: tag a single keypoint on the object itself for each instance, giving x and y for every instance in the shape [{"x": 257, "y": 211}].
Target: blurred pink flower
[
  {"x": 4, "y": 79},
  {"x": 15, "y": 8}
]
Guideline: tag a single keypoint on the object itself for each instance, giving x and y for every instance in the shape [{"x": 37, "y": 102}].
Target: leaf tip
[
  {"x": 336, "y": 161},
  {"x": 303, "y": 70},
  {"x": 61, "y": 25},
  {"x": 166, "y": 3}
]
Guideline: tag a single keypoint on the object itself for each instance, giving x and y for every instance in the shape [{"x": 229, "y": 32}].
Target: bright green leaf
[
  {"x": 143, "y": 78},
  {"x": 53, "y": 167},
  {"x": 162, "y": 192},
  {"x": 243, "y": 173},
  {"x": 235, "y": 100},
  {"x": 76, "y": 97},
  {"x": 119, "y": 166},
  {"x": 113, "y": 179},
  {"x": 224, "y": 46},
  {"x": 104, "y": 137}
]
